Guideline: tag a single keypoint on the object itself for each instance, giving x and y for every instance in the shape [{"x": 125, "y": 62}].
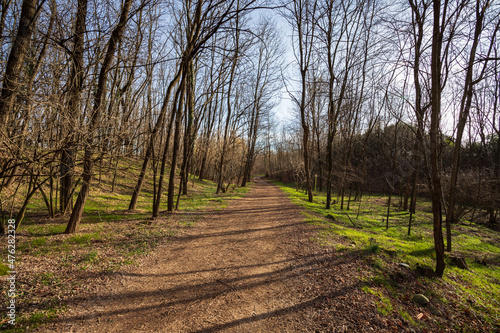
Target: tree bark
[
  {"x": 158, "y": 192},
  {"x": 220, "y": 185},
  {"x": 10, "y": 86},
  {"x": 465, "y": 106},
  {"x": 68, "y": 152},
  {"x": 304, "y": 21},
  {"x": 189, "y": 133},
  {"x": 436, "y": 195},
  {"x": 175, "y": 149},
  {"x": 88, "y": 162}
]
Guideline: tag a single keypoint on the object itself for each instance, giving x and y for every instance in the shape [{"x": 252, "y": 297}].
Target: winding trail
[{"x": 234, "y": 271}]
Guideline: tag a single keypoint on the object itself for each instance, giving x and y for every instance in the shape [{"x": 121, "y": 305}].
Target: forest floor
[
  {"x": 248, "y": 268},
  {"x": 255, "y": 266}
]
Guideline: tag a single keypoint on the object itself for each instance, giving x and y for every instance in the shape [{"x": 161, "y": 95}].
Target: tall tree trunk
[
  {"x": 208, "y": 133},
  {"x": 5, "y": 8},
  {"x": 10, "y": 86},
  {"x": 436, "y": 195},
  {"x": 158, "y": 192},
  {"x": 462, "y": 119},
  {"x": 88, "y": 161},
  {"x": 252, "y": 141},
  {"x": 188, "y": 135},
  {"x": 305, "y": 141},
  {"x": 68, "y": 152},
  {"x": 220, "y": 185},
  {"x": 305, "y": 29},
  {"x": 16, "y": 58},
  {"x": 333, "y": 108},
  {"x": 175, "y": 150}
]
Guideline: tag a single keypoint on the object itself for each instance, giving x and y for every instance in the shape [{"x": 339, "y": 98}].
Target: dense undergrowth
[
  {"x": 466, "y": 300},
  {"x": 53, "y": 267}
]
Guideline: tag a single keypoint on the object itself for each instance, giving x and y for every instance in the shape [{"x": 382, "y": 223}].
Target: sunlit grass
[
  {"x": 365, "y": 224},
  {"x": 383, "y": 304}
]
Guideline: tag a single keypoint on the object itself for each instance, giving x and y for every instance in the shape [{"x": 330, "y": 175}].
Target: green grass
[
  {"x": 105, "y": 205},
  {"x": 39, "y": 242},
  {"x": 33, "y": 320},
  {"x": 477, "y": 289},
  {"x": 49, "y": 278},
  {"x": 84, "y": 239},
  {"x": 91, "y": 257},
  {"x": 44, "y": 229},
  {"x": 383, "y": 303},
  {"x": 4, "y": 269},
  {"x": 406, "y": 316}
]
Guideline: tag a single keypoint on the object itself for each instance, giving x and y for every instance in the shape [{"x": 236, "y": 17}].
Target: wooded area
[
  {"x": 397, "y": 98},
  {"x": 184, "y": 86}
]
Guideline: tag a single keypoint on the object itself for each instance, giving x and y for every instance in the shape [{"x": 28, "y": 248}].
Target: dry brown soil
[{"x": 251, "y": 267}]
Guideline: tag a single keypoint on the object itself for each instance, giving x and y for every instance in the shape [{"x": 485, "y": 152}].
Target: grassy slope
[
  {"x": 53, "y": 266},
  {"x": 474, "y": 293}
]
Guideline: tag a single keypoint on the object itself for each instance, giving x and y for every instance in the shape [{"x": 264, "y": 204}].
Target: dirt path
[
  {"x": 254, "y": 267},
  {"x": 234, "y": 271}
]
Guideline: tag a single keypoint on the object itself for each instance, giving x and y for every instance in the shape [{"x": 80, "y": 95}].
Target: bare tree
[
  {"x": 480, "y": 11},
  {"x": 10, "y": 86},
  {"x": 88, "y": 166},
  {"x": 234, "y": 62},
  {"x": 11, "y": 83},
  {"x": 300, "y": 16},
  {"x": 264, "y": 85},
  {"x": 76, "y": 78},
  {"x": 436, "y": 89}
]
